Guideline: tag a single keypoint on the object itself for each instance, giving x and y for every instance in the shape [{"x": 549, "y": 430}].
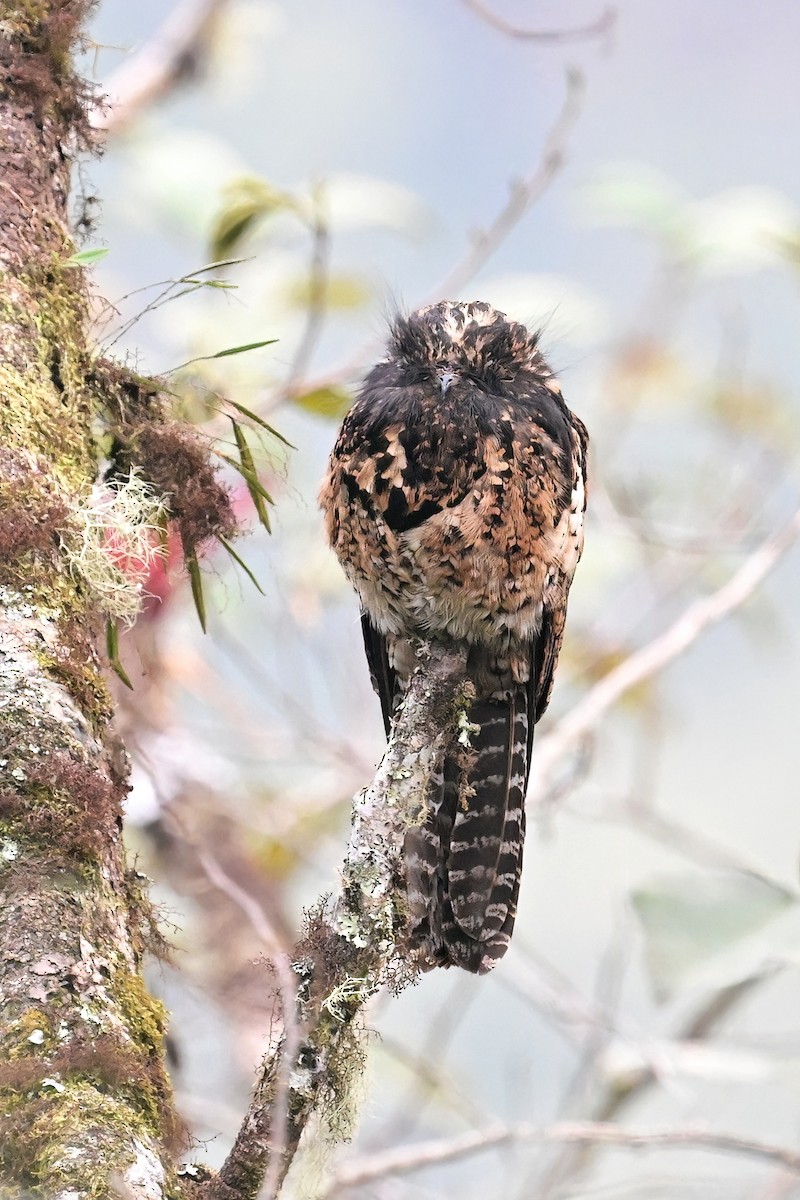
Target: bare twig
[
  {"x": 172, "y": 56},
  {"x": 524, "y": 193},
  {"x": 578, "y": 723},
  {"x": 596, "y": 28},
  {"x": 354, "y": 945},
  {"x": 597, "y": 1133}
]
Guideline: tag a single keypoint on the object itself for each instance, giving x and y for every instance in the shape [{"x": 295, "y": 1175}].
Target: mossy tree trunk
[{"x": 84, "y": 1100}]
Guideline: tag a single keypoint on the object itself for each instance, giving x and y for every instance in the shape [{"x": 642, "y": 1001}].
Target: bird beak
[{"x": 445, "y": 379}]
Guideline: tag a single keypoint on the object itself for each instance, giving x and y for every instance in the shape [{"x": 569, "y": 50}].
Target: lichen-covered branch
[{"x": 352, "y": 945}]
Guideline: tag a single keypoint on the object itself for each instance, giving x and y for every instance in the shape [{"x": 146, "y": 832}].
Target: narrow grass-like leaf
[
  {"x": 221, "y": 354},
  {"x": 241, "y": 563},
  {"x": 214, "y": 266},
  {"x": 112, "y": 651},
  {"x": 86, "y": 258},
  {"x": 250, "y": 476},
  {"x": 243, "y": 349},
  {"x": 232, "y": 226},
  {"x": 196, "y": 580},
  {"x": 246, "y": 475},
  {"x": 252, "y": 416}
]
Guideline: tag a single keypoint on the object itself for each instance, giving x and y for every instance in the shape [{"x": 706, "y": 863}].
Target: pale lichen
[{"x": 114, "y": 539}]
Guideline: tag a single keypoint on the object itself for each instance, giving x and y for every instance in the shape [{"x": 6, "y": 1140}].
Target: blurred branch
[
  {"x": 317, "y": 293},
  {"x": 603, "y": 24},
  {"x": 353, "y": 946},
  {"x": 286, "y": 982},
  {"x": 691, "y": 842},
  {"x": 171, "y": 57},
  {"x": 570, "y": 731},
  {"x": 524, "y": 194},
  {"x": 616, "y": 1093},
  {"x": 430, "y": 1083},
  {"x": 531, "y": 977},
  {"x": 597, "y": 1133}
]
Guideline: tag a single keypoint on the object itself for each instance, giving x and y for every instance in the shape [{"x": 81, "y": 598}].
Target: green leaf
[
  {"x": 342, "y": 292},
  {"x": 689, "y": 918},
  {"x": 240, "y": 562},
  {"x": 112, "y": 650},
  {"x": 213, "y": 266},
  {"x": 325, "y": 401},
  {"x": 196, "y": 580},
  {"x": 247, "y": 475},
  {"x": 252, "y": 416},
  {"x": 86, "y": 258},
  {"x": 222, "y": 354},
  {"x": 242, "y": 349},
  {"x": 248, "y": 202},
  {"x": 639, "y": 197},
  {"x": 258, "y": 494}
]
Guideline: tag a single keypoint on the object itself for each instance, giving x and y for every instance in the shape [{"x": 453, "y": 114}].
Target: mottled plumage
[{"x": 455, "y": 503}]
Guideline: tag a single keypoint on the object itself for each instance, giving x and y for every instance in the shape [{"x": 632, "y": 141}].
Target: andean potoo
[{"x": 455, "y": 501}]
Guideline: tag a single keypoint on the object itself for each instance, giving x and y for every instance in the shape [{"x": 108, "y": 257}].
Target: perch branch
[{"x": 353, "y": 945}]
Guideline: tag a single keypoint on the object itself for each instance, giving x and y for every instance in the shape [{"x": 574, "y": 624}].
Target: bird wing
[{"x": 381, "y": 671}]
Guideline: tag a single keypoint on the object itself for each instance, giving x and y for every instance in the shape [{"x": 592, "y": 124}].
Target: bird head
[{"x": 451, "y": 340}]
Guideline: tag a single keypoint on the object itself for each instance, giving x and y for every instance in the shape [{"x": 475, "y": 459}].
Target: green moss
[
  {"x": 44, "y": 1134},
  {"x": 83, "y": 680},
  {"x": 16, "y": 1037},
  {"x": 47, "y": 310},
  {"x": 145, "y": 1017},
  {"x": 46, "y": 407},
  {"x": 80, "y": 874},
  {"x": 146, "y": 1021}
]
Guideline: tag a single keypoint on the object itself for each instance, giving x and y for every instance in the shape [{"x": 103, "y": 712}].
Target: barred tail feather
[
  {"x": 463, "y": 865},
  {"x": 424, "y": 855}
]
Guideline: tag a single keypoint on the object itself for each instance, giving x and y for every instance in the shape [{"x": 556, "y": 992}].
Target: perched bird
[{"x": 454, "y": 501}]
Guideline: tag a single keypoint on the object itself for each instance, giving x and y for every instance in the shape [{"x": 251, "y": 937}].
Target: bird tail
[{"x": 463, "y": 863}]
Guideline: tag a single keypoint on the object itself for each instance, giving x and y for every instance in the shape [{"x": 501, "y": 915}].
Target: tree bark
[{"x": 85, "y": 1105}]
